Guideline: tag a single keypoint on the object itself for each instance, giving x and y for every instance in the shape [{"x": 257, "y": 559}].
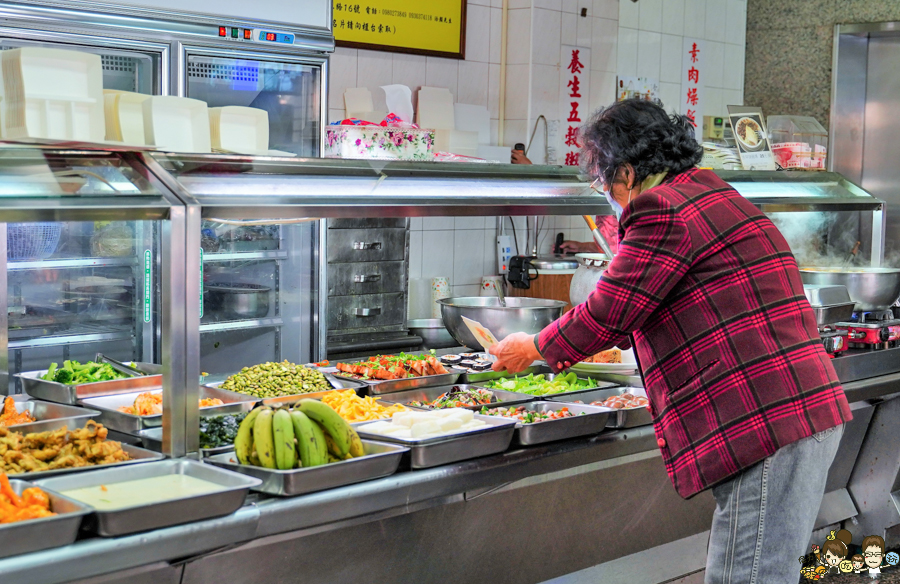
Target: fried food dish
[
  {"x": 610, "y": 356},
  {"x": 150, "y": 404},
  {"x": 61, "y": 448},
  {"x": 10, "y": 416},
  {"x": 33, "y": 504},
  {"x": 394, "y": 367}
]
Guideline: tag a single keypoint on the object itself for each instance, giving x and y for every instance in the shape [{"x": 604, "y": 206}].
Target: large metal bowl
[
  {"x": 870, "y": 288},
  {"x": 521, "y": 315},
  {"x": 433, "y": 332}
]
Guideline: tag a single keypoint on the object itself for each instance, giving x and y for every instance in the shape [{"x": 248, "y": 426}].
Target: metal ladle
[{"x": 499, "y": 290}]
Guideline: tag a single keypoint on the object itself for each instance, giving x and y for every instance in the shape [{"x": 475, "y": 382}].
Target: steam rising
[{"x": 825, "y": 239}]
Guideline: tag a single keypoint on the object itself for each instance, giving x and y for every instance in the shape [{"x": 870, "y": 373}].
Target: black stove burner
[{"x": 872, "y": 316}]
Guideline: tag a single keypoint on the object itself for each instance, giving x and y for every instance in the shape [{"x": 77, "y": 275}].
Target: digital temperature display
[{"x": 276, "y": 37}]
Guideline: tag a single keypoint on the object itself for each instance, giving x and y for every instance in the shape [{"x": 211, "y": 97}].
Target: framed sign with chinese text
[
  {"x": 575, "y": 83},
  {"x": 693, "y": 82},
  {"x": 423, "y": 27}
]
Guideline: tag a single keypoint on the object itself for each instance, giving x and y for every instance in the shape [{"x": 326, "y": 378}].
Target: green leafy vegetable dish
[
  {"x": 218, "y": 431},
  {"x": 73, "y": 373},
  {"x": 540, "y": 385}
]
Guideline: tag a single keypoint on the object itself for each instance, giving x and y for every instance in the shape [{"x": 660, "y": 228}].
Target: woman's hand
[
  {"x": 577, "y": 247},
  {"x": 515, "y": 353}
]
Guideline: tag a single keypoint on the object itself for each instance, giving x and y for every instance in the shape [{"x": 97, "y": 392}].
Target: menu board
[{"x": 423, "y": 27}]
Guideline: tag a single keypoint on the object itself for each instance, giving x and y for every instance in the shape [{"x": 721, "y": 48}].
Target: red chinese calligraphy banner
[
  {"x": 693, "y": 82},
  {"x": 574, "y": 97}
]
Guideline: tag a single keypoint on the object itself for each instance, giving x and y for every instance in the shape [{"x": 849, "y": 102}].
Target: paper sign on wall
[
  {"x": 637, "y": 88},
  {"x": 575, "y": 83},
  {"x": 751, "y": 137},
  {"x": 693, "y": 81}
]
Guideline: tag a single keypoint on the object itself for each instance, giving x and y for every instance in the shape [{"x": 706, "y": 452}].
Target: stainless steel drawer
[
  {"x": 366, "y": 312},
  {"x": 364, "y": 223},
  {"x": 366, "y": 278},
  {"x": 366, "y": 245}
]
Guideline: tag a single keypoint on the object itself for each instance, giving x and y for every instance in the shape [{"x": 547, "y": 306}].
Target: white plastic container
[
  {"x": 125, "y": 116},
  {"x": 244, "y": 130},
  {"x": 52, "y": 94},
  {"x": 176, "y": 124}
]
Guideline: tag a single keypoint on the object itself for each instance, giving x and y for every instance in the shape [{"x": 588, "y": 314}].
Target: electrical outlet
[{"x": 504, "y": 252}]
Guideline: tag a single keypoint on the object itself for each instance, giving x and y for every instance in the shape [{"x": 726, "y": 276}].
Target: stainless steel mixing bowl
[
  {"x": 521, "y": 315},
  {"x": 870, "y": 288},
  {"x": 433, "y": 332}
]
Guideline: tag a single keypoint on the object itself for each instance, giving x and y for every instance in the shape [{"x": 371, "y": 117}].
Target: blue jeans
[{"x": 764, "y": 516}]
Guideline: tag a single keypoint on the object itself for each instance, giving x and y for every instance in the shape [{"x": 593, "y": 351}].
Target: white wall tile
[
  {"x": 415, "y": 254},
  {"x": 603, "y": 89},
  {"x": 473, "y": 83},
  {"x": 495, "y": 131},
  {"x": 627, "y": 51},
  {"x": 603, "y": 44},
  {"x": 732, "y": 97},
  {"x": 545, "y": 92},
  {"x": 468, "y": 223},
  {"x": 629, "y": 14},
  {"x": 695, "y": 19},
  {"x": 670, "y": 94},
  {"x": 335, "y": 115},
  {"x": 373, "y": 71},
  {"x": 569, "y": 29},
  {"x": 606, "y": 9},
  {"x": 478, "y": 33},
  {"x": 490, "y": 252},
  {"x": 571, "y": 6},
  {"x": 649, "y": 48},
  {"x": 494, "y": 90},
  {"x": 517, "y": 91},
  {"x": 437, "y": 223},
  {"x": 584, "y": 30},
  {"x": 713, "y": 102},
  {"x": 466, "y": 290},
  {"x": 716, "y": 14},
  {"x": 440, "y": 254},
  {"x": 651, "y": 12},
  {"x": 670, "y": 58},
  {"x": 409, "y": 70},
  {"x": 496, "y": 28},
  {"x": 546, "y": 38},
  {"x": 549, "y": 4},
  {"x": 516, "y": 131},
  {"x": 442, "y": 73},
  {"x": 479, "y": 3},
  {"x": 519, "y": 37},
  {"x": 733, "y": 73},
  {"x": 673, "y": 17},
  {"x": 341, "y": 75},
  {"x": 468, "y": 257},
  {"x": 536, "y": 151},
  {"x": 713, "y": 64},
  {"x": 419, "y": 298},
  {"x": 519, "y": 4},
  {"x": 415, "y": 224},
  {"x": 736, "y": 23}
]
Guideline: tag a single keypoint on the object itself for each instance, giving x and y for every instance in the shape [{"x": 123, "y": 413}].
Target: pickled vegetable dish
[
  {"x": 540, "y": 385},
  {"x": 526, "y": 416},
  {"x": 276, "y": 380}
]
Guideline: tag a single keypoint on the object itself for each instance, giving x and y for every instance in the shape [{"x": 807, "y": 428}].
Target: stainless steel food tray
[
  {"x": 70, "y": 394},
  {"x": 24, "y": 537},
  {"x": 379, "y": 387},
  {"x": 43, "y": 411},
  {"x": 381, "y": 460},
  {"x": 144, "y": 517},
  {"x": 833, "y": 313},
  {"x": 112, "y": 418},
  {"x": 431, "y": 393},
  {"x": 138, "y": 456},
  {"x": 428, "y": 452},
  {"x": 552, "y": 376},
  {"x": 587, "y": 420},
  {"x": 629, "y": 418},
  {"x": 468, "y": 377},
  {"x": 336, "y": 383},
  {"x": 151, "y": 438}
]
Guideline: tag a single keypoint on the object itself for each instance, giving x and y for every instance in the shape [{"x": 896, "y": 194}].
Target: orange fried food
[
  {"x": 10, "y": 416},
  {"x": 33, "y": 504},
  {"x": 150, "y": 404},
  {"x": 209, "y": 402},
  {"x": 58, "y": 449},
  {"x": 610, "y": 356}
]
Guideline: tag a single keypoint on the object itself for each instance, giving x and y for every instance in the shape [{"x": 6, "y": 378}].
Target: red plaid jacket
[{"x": 732, "y": 360}]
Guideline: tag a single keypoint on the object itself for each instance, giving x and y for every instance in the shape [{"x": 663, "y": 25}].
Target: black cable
[{"x": 515, "y": 238}]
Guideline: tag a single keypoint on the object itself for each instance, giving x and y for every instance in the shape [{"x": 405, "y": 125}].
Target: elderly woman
[{"x": 744, "y": 398}]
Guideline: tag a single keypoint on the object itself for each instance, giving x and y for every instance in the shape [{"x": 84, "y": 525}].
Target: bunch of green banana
[{"x": 311, "y": 434}]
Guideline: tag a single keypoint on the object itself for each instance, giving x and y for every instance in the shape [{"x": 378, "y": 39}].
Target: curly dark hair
[{"x": 640, "y": 133}]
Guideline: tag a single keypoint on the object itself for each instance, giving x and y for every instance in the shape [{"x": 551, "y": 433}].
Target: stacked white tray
[
  {"x": 176, "y": 124},
  {"x": 244, "y": 130},
  {"x": 124, "y": 116}
]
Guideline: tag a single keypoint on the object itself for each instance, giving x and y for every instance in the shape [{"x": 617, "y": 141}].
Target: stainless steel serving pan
[
  {"x": 870, "y": 288},
  {"x": 490, "y": 374},
  {"x": 43, "y": 411},
  {"x": 628, "y": 418},
  {"x": 826, "y": 294},
  {"x": 381, "y": 460},
  {"x": 336, "y": 383},
  {"x": 151, "y": 438},
  {"x": 431, "y": 393},
  {"x": 834, "y": 313},
  {"x": 111, "y": 417},
  {"x": 428, "y": 452},
  {"x": 147, "y": 516},
  {"x": 70, "y": 394},
  {"x": 24, "y": 537},
  {"x": 379, "y": 387},
  {"x": 587, "y": 420}
]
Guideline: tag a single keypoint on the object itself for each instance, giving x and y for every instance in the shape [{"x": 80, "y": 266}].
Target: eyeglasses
[
  {"x": 873, "y": 554},
  {"x": 602, "y": 189}
]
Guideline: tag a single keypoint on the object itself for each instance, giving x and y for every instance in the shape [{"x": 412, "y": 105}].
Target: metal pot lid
[
  {"x": 593, "y": 260},
  {"x": 554, "y": 262}
]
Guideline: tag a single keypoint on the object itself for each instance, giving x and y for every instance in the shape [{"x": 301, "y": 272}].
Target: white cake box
[{"x": 378, "y": 142}]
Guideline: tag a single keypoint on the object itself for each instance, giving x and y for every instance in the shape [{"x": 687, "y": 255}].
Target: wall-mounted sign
[
  {"x": 693, "y": 81},
  {"x": 575, "y": 84},
  {"x": 751, "y": 137},
  {"x": 435, "y": 27}
]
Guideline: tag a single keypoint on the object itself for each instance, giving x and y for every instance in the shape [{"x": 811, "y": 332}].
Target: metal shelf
[
  {"x": 71, "y": 263},
  {"x": 235, "y": 325},
  {"x": 273, "y": 254},
  {"x": 85, "y": 337}
]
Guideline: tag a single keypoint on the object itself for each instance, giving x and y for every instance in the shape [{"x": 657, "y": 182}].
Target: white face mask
[{"x": 614, "y": 204}]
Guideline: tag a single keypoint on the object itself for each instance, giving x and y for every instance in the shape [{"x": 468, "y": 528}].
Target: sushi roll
[
  {"x": 468, "y": 355},
  {"x": 481, "y": 365},
  {"x": 467, "y": 363},
  {"x": 451, "y": 359}
]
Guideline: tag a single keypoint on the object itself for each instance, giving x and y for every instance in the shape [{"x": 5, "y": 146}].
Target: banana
[
  {"x": 254, "y": 459},
  {"x": 333, "y": 451},
  {"x": 283, "y": 430},
  {"x": 243, "y": 442},
  {"x": 264, "y": 438},
  {"x": 356, "y": 445},
  {"x": 333, "y": 424},
  {"x": 321, "y": 445},
  {"x": 306, "y": 439}
]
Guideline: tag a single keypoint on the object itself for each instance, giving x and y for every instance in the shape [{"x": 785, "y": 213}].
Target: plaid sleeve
[{"x": 653, "y": 256}]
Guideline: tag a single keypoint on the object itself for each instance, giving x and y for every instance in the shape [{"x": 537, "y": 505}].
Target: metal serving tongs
[{"x": 119, "y": 366}]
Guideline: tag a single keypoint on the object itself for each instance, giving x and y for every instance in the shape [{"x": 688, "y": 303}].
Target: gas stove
[
  {"x": 871, "y": 330},
  {"x": 834, "y": 340}
]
